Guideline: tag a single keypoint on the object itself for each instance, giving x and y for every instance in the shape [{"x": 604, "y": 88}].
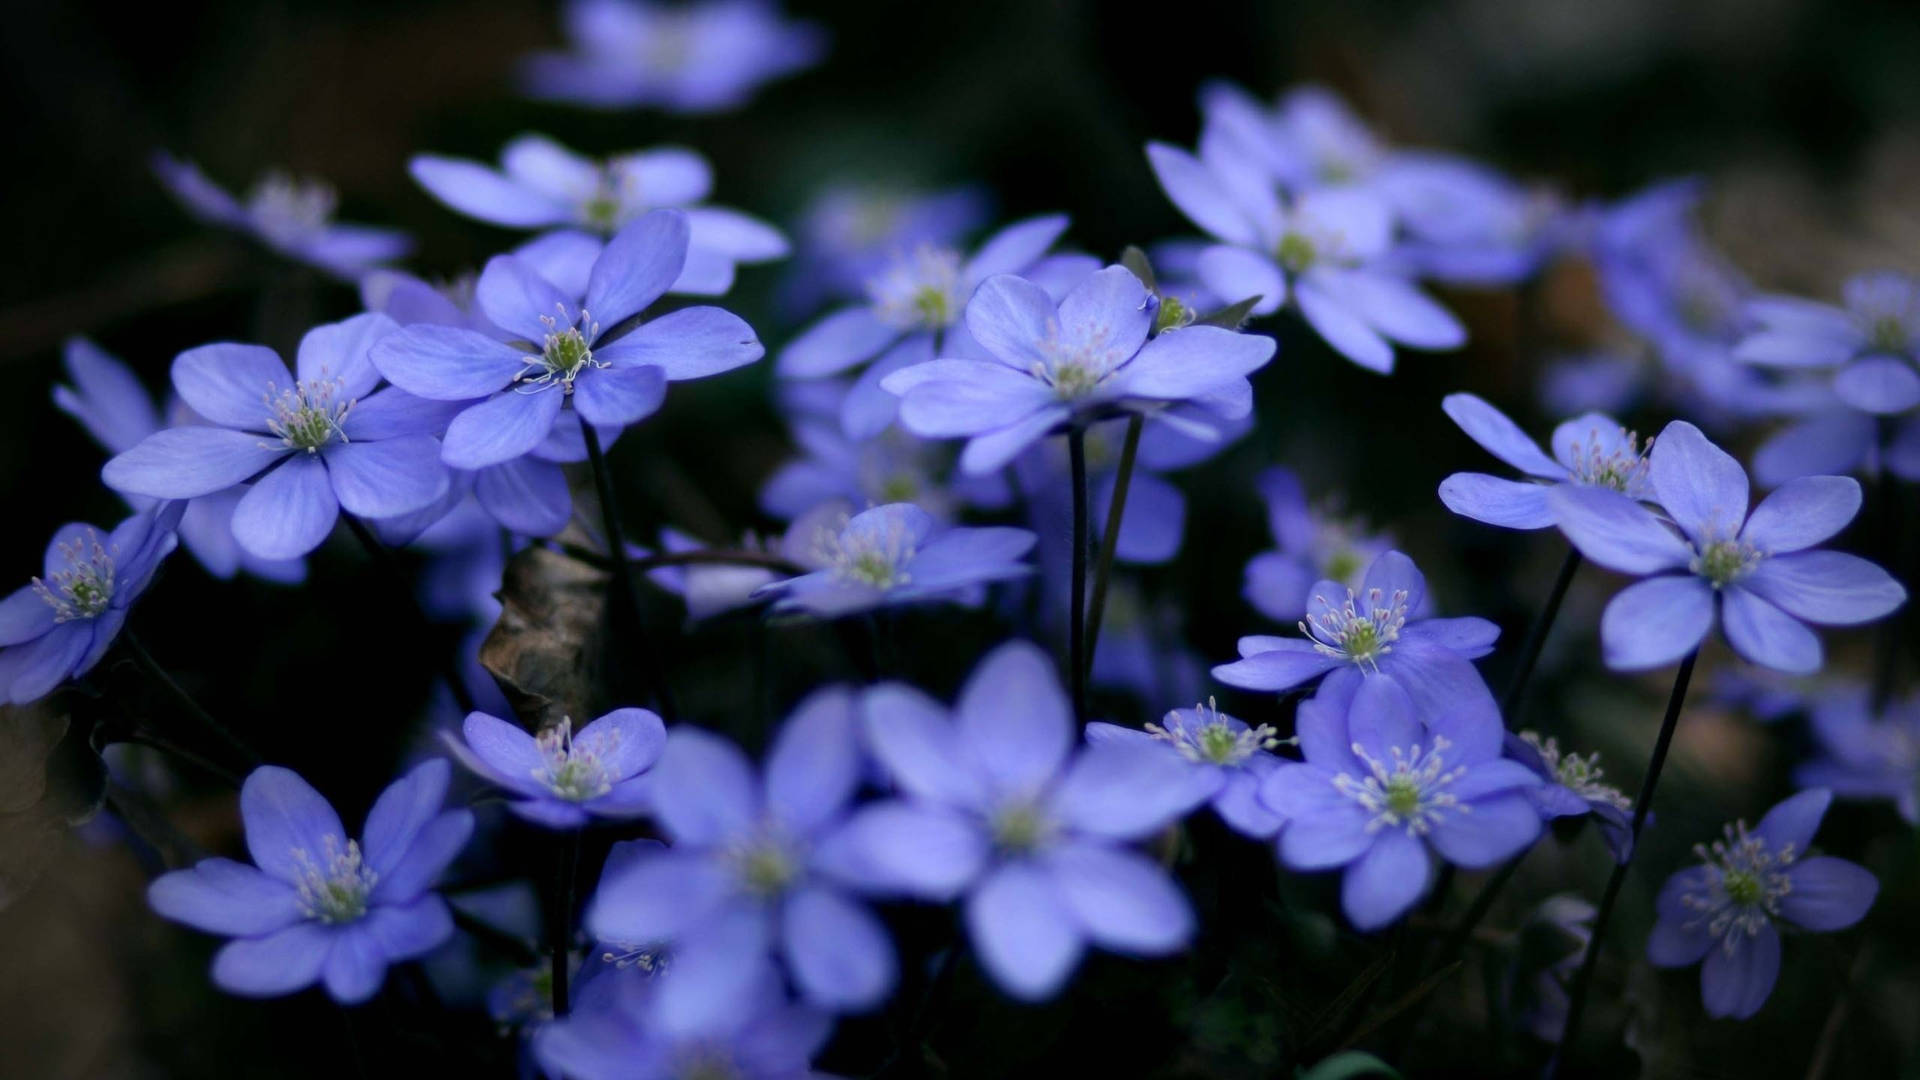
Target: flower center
[
  {"x": 335, "y": 890},
  {"x": 1020, "y": 829},
  {"x": 1296, "y": 252},
  {"x": 1358, "y": 634},
  {"x": 606, "y": 209},
  {"x": 288, "y": 209},
  {"x": 1889, "y": 335},
  {"x": 1407, "y": 792},
  {"x": 876, "y": 558},
  {"x": 919, "y": 291},
  {"x": 571, "y": 771},
  {"x": 1342, "y": 565},
  {"x": 705, "y": 1065},
  {"x": 1211, "y": 740},
  {"x": 85, "y": 588},
  {"x": 1723, "y": 562},
  {"x": 563, "y": 355},
  {"x": 1743, "y": 885},
  {"x": 764, "y": 867},
  {"x": 1580, "y": 774},
  {"x": 307, "y": 415},
  {"x": 1621, "y": 469},
  {"x": 1172, "y": 315}
]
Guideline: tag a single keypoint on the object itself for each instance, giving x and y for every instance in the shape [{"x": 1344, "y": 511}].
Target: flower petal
[
  {"x": 405, "y": 931},
  {"x": 1794, "y": 820},
  {"x": 1122, "y": 901},
  {"x": 280, "y": 963},
  {"x": 337, "y": 352},
  {"x": 626, "y": 741},
  {"x": 1496, "y": 830},
  {"x": 1011, "y": 318},
  {"x": 1763, "y": 634},
  {"x": 526, "y": 496},
  {"x": 221, "y": 896},
  {"x": 515, "y": 297},
  {"x": 1189, "y": 361},
  {"x": 1200, "y": 195},
  {"x": 1014, "y": 248},
  {"x": 988, "y": 452},
  {"x": 814, "y": 766},
  {"x": 289, "y": 511},
  {"x": 447, "y": 363},
  {"x": 911, "y": 736},
  {"x": 1015, "y": 719},
  {"x": 284, "y": 815},
  {"x": 1828, "y": 893},
  {"x": 1239, "y": 273},
  {"x": 479, "y": 192},
  {"x": 1500, "y": 436},
  {"x": 658, "y": 896},
  {"x": 228, "y": 384},
  {"x": 690, "y": 343},
  {"x": 1802, "y": 513},
  {"x": 637, "y": 267},
  {"x": 1878, "y": 385},
  {"x": 705, "y": 791},
  {"x": 1702, "y": 487},
  {"x": 355, "y": 966},
  {"x": 421, "y": 862},
  {"x": 1830, "y": 588},
  {"x": 1739, "y": 974},
  {"x": 401, "y": 812},
  {"x": 1341, "y": 327},
  {"x": 1384, "y": 884},
  {"x": 837, "y": 342},
  {"x": 619, "y": 396},
  {"x": 1278, "y": 669},
  {"x": 502, "y": 428},
  {"x": 1656, "y": 622},
  {"x": 911, "y": 848},
  {"x": 388, "y": 477},
  {"x": 840, "y": 955},
  {"x": 1615, "y": 531},
  {"x": 1510, "y": 504},
  {"x": 1026, "y": 937}
]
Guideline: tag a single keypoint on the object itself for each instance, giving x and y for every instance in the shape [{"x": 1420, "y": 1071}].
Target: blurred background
[{"x": 1803, "y": 116}]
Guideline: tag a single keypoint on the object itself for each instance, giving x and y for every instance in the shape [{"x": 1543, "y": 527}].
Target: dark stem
[
  {"x": 1583, "y": 979},
  {"x": 626, "y": 602},
  {"x": 383, "y": 556},
  {"x": 560, "y": 919},
  {"x": 192, "y": 708},
  {"x": 1477, "y": 912},
  {"x": 1122, "y": 481},
  {"x": 1077, "y": 612},
  {"x": 702, "y": 557},
  {"x": 173, "y": 749},
  {"x": 1537, "y": 637}
]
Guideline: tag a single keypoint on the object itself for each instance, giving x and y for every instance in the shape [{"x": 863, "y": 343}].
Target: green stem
[
  {"x": 1122, "y": 481},
  {"x": 1537, "y": 637},
  {"x": 626, "y": 602},
  {"x": 560, "y": 922},
  {"x": 187, "y": 704},
  {"x": 1077, "y": 611},
  {"x": 1583, "y": 979}
]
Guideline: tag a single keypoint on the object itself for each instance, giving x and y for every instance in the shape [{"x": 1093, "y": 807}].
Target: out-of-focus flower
[
  {"x": 848, "y": 234},
  {"x": 752, "y": 869},
  {"x": 1755, "y": 575},
  {"x": 1591, "y": 450},
  {"x": 691, "y": 58},
  {"x": 612, "y": 381},
  {"x": 1371, "y": 634},
  {"x": 62, "y": 624},
  {"x": 1727, "y": 910},
  {"x": 1309, "y": 546},
  {"x": 1233, "y": 756},
  {"x": 293, "y": 217},
  {"x": 560, "y": 779},
  {"x": 1555, "y": 937},
  {"x": 896, "y": 554},
  {"x": 1864, "y": 754},
  {"x": 543, "y": 185},
  {"x": 1573, "y": 784},
  {"x": 316, "y": 906},
  {"x": 107, "y": 399},
  {"x": 998, "y": 808},
  {"x": 312, "y": 442},
  {"x": 1086, "y": 358},
  {"x": 1378, "y": 789}
]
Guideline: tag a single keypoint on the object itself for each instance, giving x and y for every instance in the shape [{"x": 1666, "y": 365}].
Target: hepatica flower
[
  {"x": 1866, "y": 754},
  {"x": 318, "y": 440},
  {"x": 561, "y": 779},
  {"x": 1087, "y": 357},
  {"x": 1380, "y": 794},
  {"x": 107, "y": 399},
  {"x": 1323, "y": 250},
  {"x": 1591, "y": 450},
  {"x": 694, "y": 58},
  {"x": 565, "y": 352},
  {"x": 896, "y": 554},
  {"x": 1232, "y": 757},
  {"x": 1375, "y": 633},
  {"x": 1310, "y": 545},
  {"x": 543, "y": 185},
  {"x": 997, "y": 807},
  {"x": 61, "y": 624},
  {"x": 1573, "y": 784},
  {"x": 1725, "y": 913},
  {"x": 1756, "y": 575},
  {"x": 850, "y": 232},
  {"x": 751, "y": 869},
  {"x": 293, "y": 217},
  {"x": 316, "y": 906}
]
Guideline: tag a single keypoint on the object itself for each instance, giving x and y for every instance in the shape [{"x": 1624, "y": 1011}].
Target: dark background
[{"x": 1805, "y": 116}]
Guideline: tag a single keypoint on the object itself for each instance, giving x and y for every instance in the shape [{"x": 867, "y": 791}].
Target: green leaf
[
  {"x": 1135, "y": 260},
  {"x": 1348, "y": 1064},
  {"x": 1230, "y": 316}
]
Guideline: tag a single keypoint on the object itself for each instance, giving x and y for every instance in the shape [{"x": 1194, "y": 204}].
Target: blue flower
[
  {"x": 1086, "y": 358},
  {"x": 1864, "y": 754},
  {"x": 1232, "y": 757},
  {"x": 895, "y": 554},
  {"x": 543, "y": 185},
  {"x": 1325, "y": 250},
  {"x": 1378, "y": 788},
  {"x": 1371, "y": 634},
  {"x": 1572, "y": 785},
  {"x": 914, "y": 312},
  {"x": 316, "y": 906},
  {"x": 849, "y": 233},
  {"x": 562, "y": 780},
  {"x": 566, "y": 351},
  {"x": 633, "y": 1025},
  {"x": 1591, "y": 450},
  {"x": 998, "y": 808},
  {"x": 107, "y": 399},
  {"x": 688, "y": 58},
  {"x": 1310, "y": 546},
  {"x": 754, "y": 866},
  {"x": 290, "y": 216},
  {"x": 62, "y": 624},
  {"x": 1756, "y": 572},
  {"x": 1727, "y": 910},
  {"x": 328, "y": 444}
]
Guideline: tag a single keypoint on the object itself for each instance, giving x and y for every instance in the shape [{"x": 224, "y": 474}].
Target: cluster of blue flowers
[{"x": 975, "y": 426}]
